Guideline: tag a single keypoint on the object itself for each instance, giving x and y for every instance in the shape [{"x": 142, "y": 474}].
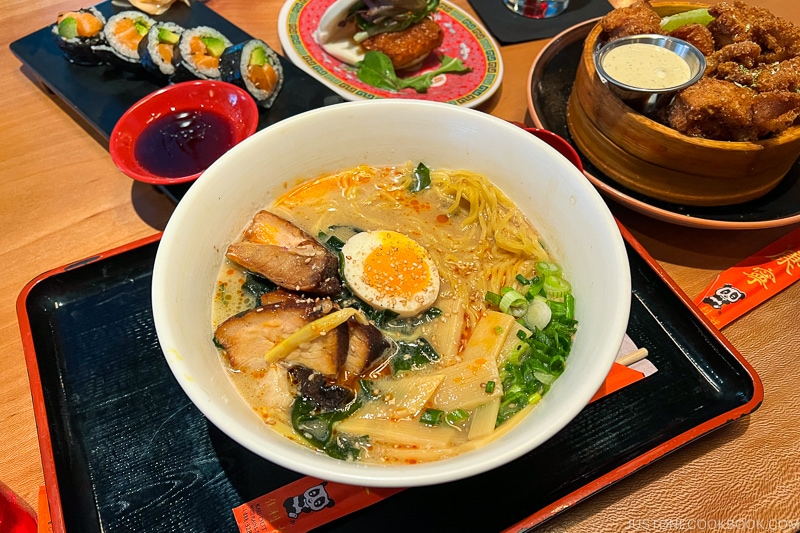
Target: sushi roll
[
  {"x": 76, "y": 32},
  {"x": 198, "y": 53},
  {"x": 123, "y": 32},
  {"x": 157, "y": 48},
  {"x": 255, "y": 67}
]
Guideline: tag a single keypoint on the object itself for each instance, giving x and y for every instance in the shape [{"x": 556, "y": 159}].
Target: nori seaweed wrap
[
  {"x": 197, "y": 54},
  {"x": 76, "y": 32},
  {"x": 157, "y": 49},
  {"x": 123, "y": 32},
  {"x": 255, "y": 67}
]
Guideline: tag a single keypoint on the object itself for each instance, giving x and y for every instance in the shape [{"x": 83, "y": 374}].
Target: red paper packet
[
  {"x": 303, "y": 505},
  {"x": 43, "y": 510},
  {"x": 749, "y": 283}
]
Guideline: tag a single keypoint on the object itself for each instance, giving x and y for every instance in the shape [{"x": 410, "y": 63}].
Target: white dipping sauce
[{"x": 647, "y": 66}]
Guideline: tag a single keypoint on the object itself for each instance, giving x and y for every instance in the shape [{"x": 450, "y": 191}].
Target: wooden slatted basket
[{"x": 655, "y": 160}]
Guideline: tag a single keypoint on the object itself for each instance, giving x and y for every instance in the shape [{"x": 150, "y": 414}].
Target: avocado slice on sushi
[
  {"x": 215, "y": 45},
  {"x": 258, "y": 56},
  {"x": 167, "y": 36},
  {"x": 77, "y": 33},
  {"x": 157, "y": 49},
  {"x": 68, "y": 28},
  {"x": 142, "y": 26},
  {"x": 198, "y": 53},
  {"x": 255, "y": 67}
]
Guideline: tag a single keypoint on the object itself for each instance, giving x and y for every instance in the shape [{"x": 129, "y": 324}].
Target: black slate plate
[
  {"x": 508, "y": 27},
  {"x": 551, "y": 78},
  {"x": 124, "y": 449},
  {"x": 99, "y": 95}
]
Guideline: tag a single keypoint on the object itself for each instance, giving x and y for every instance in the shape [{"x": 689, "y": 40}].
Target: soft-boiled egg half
[{"x": 388, "y": 270}]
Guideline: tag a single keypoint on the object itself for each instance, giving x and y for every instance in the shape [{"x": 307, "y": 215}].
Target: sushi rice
[
  {"x": 78, "y": 48},
  {"x": 119, "y": 50},
  {"x": 235, "y": 66},
  {"x": 185, "y": 61},
  {"x": 150, "y": 49}
]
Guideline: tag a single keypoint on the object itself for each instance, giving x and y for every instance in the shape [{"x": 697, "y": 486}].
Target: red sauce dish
[{"x": 172, "y": 135}]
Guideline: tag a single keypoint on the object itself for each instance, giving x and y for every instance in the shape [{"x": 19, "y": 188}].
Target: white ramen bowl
[{"x": 574, "y": 221}]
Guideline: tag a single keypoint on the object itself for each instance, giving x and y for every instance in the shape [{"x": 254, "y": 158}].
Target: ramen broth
[{"x": 480, "y": 243}]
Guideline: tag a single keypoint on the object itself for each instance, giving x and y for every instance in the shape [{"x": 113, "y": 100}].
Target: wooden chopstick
[{"x": 638, "y": 355}]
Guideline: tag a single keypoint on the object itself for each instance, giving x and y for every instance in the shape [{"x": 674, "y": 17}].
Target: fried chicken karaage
[{"x": 751, "y": 86}]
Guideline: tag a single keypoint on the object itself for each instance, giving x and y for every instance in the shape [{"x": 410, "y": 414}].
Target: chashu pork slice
[
  {"x": 247, "y": 337},
  {"x": 283, "y": 253},
  {"x": 366, "y": 345}
]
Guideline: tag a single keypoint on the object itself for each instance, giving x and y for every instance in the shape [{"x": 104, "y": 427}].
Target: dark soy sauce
[{"x": 182, "y": 144}]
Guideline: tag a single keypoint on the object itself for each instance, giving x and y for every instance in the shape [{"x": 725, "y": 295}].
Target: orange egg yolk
[{"x": 396, "y": 268}]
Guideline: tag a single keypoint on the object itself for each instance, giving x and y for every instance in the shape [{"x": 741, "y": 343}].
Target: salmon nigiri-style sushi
[{"x": 76, "y": 32}]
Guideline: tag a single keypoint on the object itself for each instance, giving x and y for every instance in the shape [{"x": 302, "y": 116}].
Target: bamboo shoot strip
[
  {"x": 489, "y": 336},
  {"x": 484, "y": 420},
  {"x": 400, "y": 432},
  {"x": 399, "y": 398}
]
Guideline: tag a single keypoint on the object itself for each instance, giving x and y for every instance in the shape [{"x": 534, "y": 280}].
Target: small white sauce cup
[{"x": 644, "y": 100}]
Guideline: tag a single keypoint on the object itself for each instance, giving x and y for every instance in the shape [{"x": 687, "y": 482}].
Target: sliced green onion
[
  {"x": 431, "y": 417},
  {"x": 569, "y": 300},
  {"x": 489, "y": 387},
  {"x": 535, "y": 287},
  {"x": 523, "y": 280},
  {"x": 492, "y": 297},
  {"x": 548, "y": 268},
  {"x": 513, "y": 303},
  {"x": 454, "y": 417},
  {"x": 556, "y": 287},
  {"x": 559, "y": 309},
  {"x": 558, "y": 364},
  {"x": 545, "y": 377},
  {"x": 538, "y": 314}
]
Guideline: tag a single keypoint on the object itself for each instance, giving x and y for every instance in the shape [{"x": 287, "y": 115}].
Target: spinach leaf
[
  {"x": 413, "y": 355},
  {"x": 257, "y": 286},
  {"x": 422, "y": 178},
  {"x": 314, "y": 425}
]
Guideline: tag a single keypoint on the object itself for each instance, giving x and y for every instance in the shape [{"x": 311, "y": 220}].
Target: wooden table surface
[{"x": 62, "y": 199}]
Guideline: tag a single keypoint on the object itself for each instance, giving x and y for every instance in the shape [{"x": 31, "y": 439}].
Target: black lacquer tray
[
  {"x": 124, "y": 449},
  {"x": 99, "y": 95}
]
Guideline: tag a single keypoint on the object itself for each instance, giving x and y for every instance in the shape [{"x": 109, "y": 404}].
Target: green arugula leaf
[
  {"x": 376, "y": 69},
  {"x": 423, "y": 82}
]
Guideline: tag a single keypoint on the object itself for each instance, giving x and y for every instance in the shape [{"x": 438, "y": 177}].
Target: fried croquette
[{"x": 407, "y": 48}]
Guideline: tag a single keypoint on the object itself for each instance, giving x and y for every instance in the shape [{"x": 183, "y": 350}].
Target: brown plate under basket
[{"x": 657, "y": 161}]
